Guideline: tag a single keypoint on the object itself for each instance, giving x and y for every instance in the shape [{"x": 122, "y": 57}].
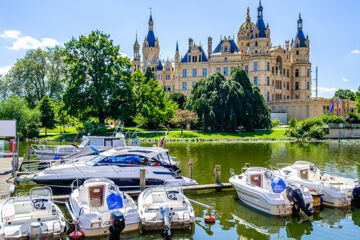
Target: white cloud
[
  {"x": 355, "y": 51},
  {"x": 325, "y": 90},
  {"x": 5, "y": 69},
  {"x": 10, "y": 34},
  {"x": 28, "y": 42},
  {"x": 344, "y": 79}
]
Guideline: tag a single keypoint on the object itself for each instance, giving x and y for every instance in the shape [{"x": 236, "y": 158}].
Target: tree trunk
[
  {"x": 101, "y": 115},
  {"x": 45, "y": 131},
  {"x": 181, "y": 130}
]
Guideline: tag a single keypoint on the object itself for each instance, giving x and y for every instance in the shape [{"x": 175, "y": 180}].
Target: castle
[{"x": 283, "y": 74}]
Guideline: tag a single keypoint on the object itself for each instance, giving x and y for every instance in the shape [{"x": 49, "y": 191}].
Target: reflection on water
[{"x": 236, "y": 221}]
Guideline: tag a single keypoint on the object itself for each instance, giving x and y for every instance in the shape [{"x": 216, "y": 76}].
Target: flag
[
  {"x": 335, "y": 108},
  {"x": 161, "y": 142},
  {"x": 340, "y": 105},
  {"x": 332, "y": 107}
]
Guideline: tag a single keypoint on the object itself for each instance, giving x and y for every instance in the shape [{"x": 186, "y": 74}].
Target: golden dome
[{"x": 248, "y": 25}]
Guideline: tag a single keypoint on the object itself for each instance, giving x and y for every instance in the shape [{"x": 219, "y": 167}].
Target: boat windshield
[
  {"x": 123, "y": 160},
  {"x": 96, "y": 159}
]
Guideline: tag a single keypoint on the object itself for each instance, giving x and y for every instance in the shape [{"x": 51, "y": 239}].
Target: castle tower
[
  {"x": 260, "y": 39},
  {"x": 136, "y": 60},
  {"x": 177, "y": 55},
  {"x": 244, "y": 33},
  {"x": 209, "y": 47},
  {"x": 151, "y": 48},
  {"x": 301, "y": 67}
]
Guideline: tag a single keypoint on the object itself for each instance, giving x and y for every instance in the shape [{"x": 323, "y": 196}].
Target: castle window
[
  {"x": 189, "y": 58},
  {"x": 225, "y": 49},
  {"x": 284, "y": 71},
  {"x": 272, "y": 83},
  {"x": 272, "y": 69},
  {"x": 184, "y": 73},
  {"x": 199, "y": 58},
  {"x": 218, "y": 69},
  {"x": 287, "y": 73},
  {"x": 297, "y": 52},
  {"x": 167, "y": 77},
  {"x": 226, "y": 71},
  {"x": 226, "y": 59},
  {"x": 296, "y": 85},
  {"x": 184, "y": 86},
  {"x": 272, "y": 97},
  {"x": 296, "y": 72},
  {"x": 204, "y": 72},
  {"x": 308, "y": 86},
  {"x": 256, "y": 43},
  {"x": 167, "y": 69},
  {"x": 308, "y": 73},
  {"x": 287, "y": 85},
  {"x": 255, "y": 81},
  {"x": 194, "y": 72},
  {"x": 287, "y": 97},
  {"x": 255, "y": 66},
  {"x": 247, "y": 69},
  {"x": 268, "y": 81},
  {"x": 297, "y": 96},
  {"x": 267, "y": 66},
  {"x": 267, "y": 97}
]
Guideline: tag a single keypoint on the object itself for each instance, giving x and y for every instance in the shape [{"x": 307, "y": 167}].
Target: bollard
[
  {"x": 142, "y": 178},
  {"x": 28, "y": 153},
  {"x": 191, "y": 168},
  {"x": 218, "y": 174}
]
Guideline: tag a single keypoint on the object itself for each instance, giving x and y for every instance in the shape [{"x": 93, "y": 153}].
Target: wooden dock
[
  {"x": 6, "y": 176},
  {"x": 135, "y": 193}
]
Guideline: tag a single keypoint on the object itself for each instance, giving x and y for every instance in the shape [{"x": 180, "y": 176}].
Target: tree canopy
[
  {"x": 179, "y": 98},
  {"x": 153, "y": 107},
  {"x": 225, "y": 104},
  {"x": 47, "y": 113},
  {"x": 38, "y": 73},
  {"x": 99, "y": 82},
  {"x": 345, "y": 94}
]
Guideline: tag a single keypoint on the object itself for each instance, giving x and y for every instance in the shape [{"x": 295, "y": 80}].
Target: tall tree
[
  {"x": 179, "y": 98},
  {"x": 184, "y": 118},
  {"x": 153, "y": 107},
  {"x": 38, "y": 73},
  {"x": 99, "y": 79},
  {"x": 225, "y": 104},
  {"x": 345, "y": 94},
  {"x": 357, "y": 99},
  {"x": 47, "y": 113}
]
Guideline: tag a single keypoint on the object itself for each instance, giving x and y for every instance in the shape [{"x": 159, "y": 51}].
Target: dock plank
[{"x": 6, "y": 175}]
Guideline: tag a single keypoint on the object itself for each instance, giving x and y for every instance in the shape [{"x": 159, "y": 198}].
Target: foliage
[
  {"x": 184, "y": 118},
  {"x": 179, "y": 98},
  {"x": 27, "y": 120},
  {"x": 309, "y": 128},
  {"x": 153, "y": 107},
  {"x": 38, "y": 73},
  {"x": 352, "y": 118},
  {"x": 276, "y": 122},
  {"x": 345, "y": 94},
  {"x": 357, "y": 98},
  {"x": 93, "y": 128},
  {"x": 332, "y": 118},
  {"x": 61, "y": 116},
  {"x": 99, "y": 79},
  {"x": 47, "y": 113},
  {"x": 224, "y": 105}
]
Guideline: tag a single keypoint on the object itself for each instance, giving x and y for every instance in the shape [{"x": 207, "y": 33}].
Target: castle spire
[
  {"x": 299, "y": 22},
  {"x": 260, "y": 10},
  {"x": 248, "y": 18},
  {"x": 151, "y": 22},
  {"x": 177, "y": 46}
]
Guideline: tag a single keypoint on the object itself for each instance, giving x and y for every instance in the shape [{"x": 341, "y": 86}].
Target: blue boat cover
[
  {"x": 278, "y": 185},
  {"x": 114, "y": 201}
]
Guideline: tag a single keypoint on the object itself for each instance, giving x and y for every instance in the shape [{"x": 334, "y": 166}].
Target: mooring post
[
  {"x": 142, "y": 178},
  {"x": 28, "y": 153},
  {"x": 191, "y": 168},
  {"x": 218, "y": 174}
]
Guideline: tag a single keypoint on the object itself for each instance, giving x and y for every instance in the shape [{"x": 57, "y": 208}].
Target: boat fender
[
  {"x": 117, "y": 223},
  {"x": 295, "y": 195},
  {"x": 35, "y": 231},
  {"x": 210, "y": 218},
  {"x": 356, "y": 196},
  {"x": 74, "y": 231}
]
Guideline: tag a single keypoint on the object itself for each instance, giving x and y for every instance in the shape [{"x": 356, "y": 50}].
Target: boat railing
[
  {"x": 56, "y": 232},
  {"x": 43, "y": 147}
]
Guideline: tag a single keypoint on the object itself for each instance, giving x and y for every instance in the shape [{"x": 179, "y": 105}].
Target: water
[{"x": 236, "y": 221}]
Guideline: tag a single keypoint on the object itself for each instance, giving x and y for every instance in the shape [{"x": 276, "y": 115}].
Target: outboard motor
[
  {"x": 165, "y": 213},
  {"x": 117, "y": 223},
  {"x": 294, "y": 195},
  {"x": 356, "y": 196},
  {"x": 35, "y": 230}
]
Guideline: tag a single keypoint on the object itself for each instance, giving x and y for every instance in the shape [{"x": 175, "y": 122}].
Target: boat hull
[{"x": 159, "y": 225}]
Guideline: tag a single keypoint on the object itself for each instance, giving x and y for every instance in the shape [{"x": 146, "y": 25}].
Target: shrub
[
  {"x": 352, "y": 118},
  {"x": 293, "y": 122},
  {"x": 276, "y": 122},
  {"x": 309, "y": 128},
  {"x": 332, "y": 119},
  {"x": 93, "y": 128}
]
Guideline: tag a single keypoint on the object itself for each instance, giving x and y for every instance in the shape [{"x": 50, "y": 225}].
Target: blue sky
[{"x": 332, "y": 27}]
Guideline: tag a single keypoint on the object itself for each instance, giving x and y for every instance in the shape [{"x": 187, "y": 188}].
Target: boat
[
  {"x": 33, "y": 216},
  {"x": 165, "y": 207},
  {"x": 337, "y": 191},
  {"x": 120, "y": 165},
  {"x": 56, "y": 152},
  {"x": 96, "y": 203},
  {"x": 262, "y": 190}
]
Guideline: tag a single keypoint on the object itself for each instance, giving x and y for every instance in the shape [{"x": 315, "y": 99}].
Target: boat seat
[
  {"x": 256, "y": 180},
  {"x": 158, "y": 197},
  {"x": 22, "y": 208}
]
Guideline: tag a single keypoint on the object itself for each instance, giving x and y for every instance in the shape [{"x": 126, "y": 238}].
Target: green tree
[
  {"x": 179, "y": 98},
  {"x": 153, "y": 107},
  {"x": 345, "y": 94},
  {"x": 99, "y": 79},
  {"x": 47, "y": 113},
  {"x": 38, "y": 73},
  {"x": 184, "y": 118},
  {"x": 27, "y": 120},
  {"x": 357, "y": 98},
  {"x": 223, "y": 105}
]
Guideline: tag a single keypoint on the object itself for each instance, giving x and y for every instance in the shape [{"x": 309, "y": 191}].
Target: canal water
[{"x": 236, "y": 221}]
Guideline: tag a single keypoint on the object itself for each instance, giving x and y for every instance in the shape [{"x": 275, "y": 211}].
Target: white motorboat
[
  {"x": 34, "y": 216},
  {"x": 100, "y": 208},
  {"x": 338, "y": 191},
  {"x": 260, "y": 189},
  {"x": 165, "y": 208}
]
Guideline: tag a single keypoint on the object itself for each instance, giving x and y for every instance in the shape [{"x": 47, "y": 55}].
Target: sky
[{"x": 332, "y": 26}]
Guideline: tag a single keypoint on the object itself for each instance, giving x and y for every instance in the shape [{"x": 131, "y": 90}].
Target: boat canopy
[{"x": 278, "y": 185}]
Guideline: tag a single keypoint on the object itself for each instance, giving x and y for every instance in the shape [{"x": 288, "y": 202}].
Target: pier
[{"x": 8, "y": 173}]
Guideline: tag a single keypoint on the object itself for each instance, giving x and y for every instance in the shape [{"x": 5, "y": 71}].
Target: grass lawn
[{"x": 58, "y": 130}]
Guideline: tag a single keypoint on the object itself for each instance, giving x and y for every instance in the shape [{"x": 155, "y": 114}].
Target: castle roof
[
  {"x": 203, "y": 56},
  {"x": 300, "y": 34},
  {"x": 151, "y": 38},
  {"x": 233, "y": 47}
]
